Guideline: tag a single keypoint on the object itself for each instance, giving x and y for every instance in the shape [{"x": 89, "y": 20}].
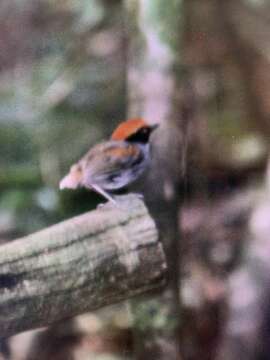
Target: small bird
[{"x": 113, "y": 164}]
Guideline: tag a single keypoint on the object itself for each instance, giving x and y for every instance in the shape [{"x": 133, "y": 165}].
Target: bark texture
[
  {"x": 153, "y": 74},
  {"x": 247, "y": 328},
  {"x": 81, "y": 264}
]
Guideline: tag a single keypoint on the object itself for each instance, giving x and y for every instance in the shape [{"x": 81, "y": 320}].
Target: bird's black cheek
[{"x": 141, "y": 136}]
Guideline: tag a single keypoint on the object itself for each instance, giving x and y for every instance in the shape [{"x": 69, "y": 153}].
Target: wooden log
[{"x": 99, "y": 258}]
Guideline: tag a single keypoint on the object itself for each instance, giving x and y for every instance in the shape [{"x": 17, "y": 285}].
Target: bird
[{"x": 112, "y": 165}]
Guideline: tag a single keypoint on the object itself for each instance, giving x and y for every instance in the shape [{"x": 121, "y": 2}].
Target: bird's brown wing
[{"x": 107, "y": 161}]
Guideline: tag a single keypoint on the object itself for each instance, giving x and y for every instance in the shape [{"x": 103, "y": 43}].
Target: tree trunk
[
  {"x": 247, "y": 327},
  {"x": 247, "y": 39},
  {"x": 153, "y": 73},
  {"x": 79, "y": 265}
]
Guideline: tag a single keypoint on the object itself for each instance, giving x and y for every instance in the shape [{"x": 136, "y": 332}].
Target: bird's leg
[{"x": 103, "y": 193}]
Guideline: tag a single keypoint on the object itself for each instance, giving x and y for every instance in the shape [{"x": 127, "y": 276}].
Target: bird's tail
[{"x": 73, "y": 179}]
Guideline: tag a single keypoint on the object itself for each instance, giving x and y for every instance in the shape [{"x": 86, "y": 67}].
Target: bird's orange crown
[{"x": 128, "y": 128}]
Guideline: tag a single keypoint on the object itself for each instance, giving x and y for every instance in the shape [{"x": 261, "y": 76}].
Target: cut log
[{"x": 92, "y": 260}]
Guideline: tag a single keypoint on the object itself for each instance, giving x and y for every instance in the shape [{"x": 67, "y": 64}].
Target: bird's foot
[{"x": 111, "y": 202}]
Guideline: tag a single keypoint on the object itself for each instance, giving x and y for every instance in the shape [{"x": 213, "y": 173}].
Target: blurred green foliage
[{"x": 62, "y": 92}]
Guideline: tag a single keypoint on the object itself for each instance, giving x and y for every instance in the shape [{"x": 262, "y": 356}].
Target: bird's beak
[{"x": 154, "y": 127}]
